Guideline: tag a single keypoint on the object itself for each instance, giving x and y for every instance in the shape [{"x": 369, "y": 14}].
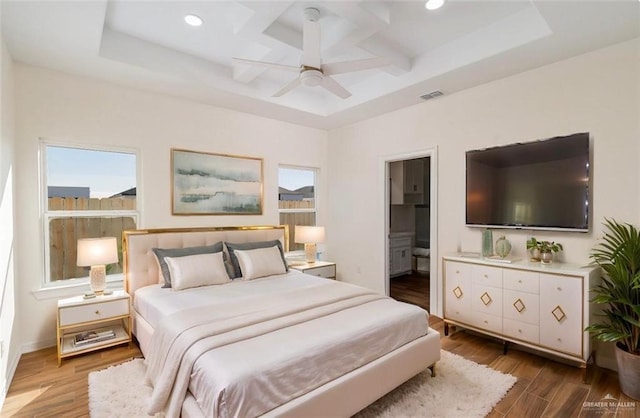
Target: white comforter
[{"x": 244, "y": 359}]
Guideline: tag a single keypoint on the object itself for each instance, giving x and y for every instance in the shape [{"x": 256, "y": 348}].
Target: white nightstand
[
  {"x": 324, "y": 269},
  {"x": 106, "y": 312}
]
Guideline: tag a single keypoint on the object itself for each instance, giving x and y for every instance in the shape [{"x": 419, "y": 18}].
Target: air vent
[{"x": 431, "y": 95}]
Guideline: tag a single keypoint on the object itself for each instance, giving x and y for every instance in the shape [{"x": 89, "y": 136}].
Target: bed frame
[{"x": 341, "y": 397}]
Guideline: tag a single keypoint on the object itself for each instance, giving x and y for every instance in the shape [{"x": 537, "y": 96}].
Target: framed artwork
[{"x": 215, "y": 184}]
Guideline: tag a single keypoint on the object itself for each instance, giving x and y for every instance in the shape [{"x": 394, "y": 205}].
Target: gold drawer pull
[
  {"x": 97, "y": 312},
  {"x": 486, "y": 299},
  {"x": 559, "y": 289},
  {"x": 520, "y": 281},
  {"x": 558, "y": 313},
  {"x": 486, "y": 277},
  {"x": 486, "y": 322},
  {"x": 519, "y": 305},
  {"x": 458, "y": 292},
  {"x": 520, "y": 331}
]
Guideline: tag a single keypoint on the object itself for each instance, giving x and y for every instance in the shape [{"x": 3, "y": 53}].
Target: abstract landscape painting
[{"x": 215, "y": 184}]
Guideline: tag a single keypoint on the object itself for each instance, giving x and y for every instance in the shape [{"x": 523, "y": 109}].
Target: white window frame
[
  {"x": 315, "y": 191},
  {"x": 49, "y": 215}
]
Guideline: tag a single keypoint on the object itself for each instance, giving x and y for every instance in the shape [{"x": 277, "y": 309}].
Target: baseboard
[{"x": 35, "y": 346}]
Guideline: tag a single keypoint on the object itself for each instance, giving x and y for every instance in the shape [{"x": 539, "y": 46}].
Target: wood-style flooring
[
  {"x": 545, "y": 388},
  {"x": 412, "y": 288},
  {"x": 42, "y": 389}
]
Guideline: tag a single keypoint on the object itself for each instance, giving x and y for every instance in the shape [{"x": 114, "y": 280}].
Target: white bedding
[
  {"x": 154, "y": 303},
  {"x": 252, "y": 371}
]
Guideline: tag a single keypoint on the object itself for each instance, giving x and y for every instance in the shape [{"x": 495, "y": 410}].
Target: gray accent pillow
[
  {"x": 231, "y": 247},
  {"x": 161, "y": 253}
]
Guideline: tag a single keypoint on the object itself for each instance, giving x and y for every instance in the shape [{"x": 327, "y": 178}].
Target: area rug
[{"x": 461, "y": 388}]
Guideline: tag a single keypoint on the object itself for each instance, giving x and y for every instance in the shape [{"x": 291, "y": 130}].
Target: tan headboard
[{"x": 141, "y": 267}]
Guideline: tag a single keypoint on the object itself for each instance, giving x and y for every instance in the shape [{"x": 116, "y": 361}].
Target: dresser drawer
[
  {"x": 521, "y": 306},
  {"x": 521, "y": 331},
  {"x": 328, "y": 272},
  {"x": 93, "y": 312},
  {"x": 487, "y": 322},
  {"x": 523, "y": 281},
  {"x": 486, "y": 299},
  {"x": 488, "y": 276},
  {"x": 457, "y": 271}
]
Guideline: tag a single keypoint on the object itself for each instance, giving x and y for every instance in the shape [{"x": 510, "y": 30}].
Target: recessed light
[
  {"x": 193, "y": 20},
  {"x": 433, "y": 4}
]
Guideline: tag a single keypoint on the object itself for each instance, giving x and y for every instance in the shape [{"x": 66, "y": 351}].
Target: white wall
[
  {"x": 65, "y": 108},
  {"x": 597, "y": 92},
  {"x": 9, "y": 350}
]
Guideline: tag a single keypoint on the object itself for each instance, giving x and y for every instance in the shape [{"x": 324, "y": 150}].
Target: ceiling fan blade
[
  {"x": 286, "y": 89},
  {"x": 356, "y": 65},
  {"x": 311, "y": 44},
  {"x": 334, "y": 87},
  {"x": 268, "y": 65}
]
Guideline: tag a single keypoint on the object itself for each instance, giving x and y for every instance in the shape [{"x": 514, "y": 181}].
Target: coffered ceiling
[{"x": 147, "y": 45}]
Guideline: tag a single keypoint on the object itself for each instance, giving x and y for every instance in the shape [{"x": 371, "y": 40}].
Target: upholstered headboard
[{"x": 141, "y": 267}]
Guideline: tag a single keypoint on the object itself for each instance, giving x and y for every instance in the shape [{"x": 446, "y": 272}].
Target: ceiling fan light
[
  {"x": 311, "y": 78},
  {"x": 434, "y": 4},
  {"x": 193, "y": 20}
]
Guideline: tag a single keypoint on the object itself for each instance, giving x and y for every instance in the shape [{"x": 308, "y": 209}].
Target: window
[
  {"x": 296, "y": 199},
  {"x": 87, "y": 193}
]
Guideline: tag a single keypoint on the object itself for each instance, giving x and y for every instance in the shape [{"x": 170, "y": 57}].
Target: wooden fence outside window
[{"x": 65, "y": 231}]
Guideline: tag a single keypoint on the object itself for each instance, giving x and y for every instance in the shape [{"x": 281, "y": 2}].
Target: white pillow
[
  {"x": 197, "y": 270},
  {"x": 260, "y": 262}
]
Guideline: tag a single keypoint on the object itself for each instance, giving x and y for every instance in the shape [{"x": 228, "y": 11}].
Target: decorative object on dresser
[
  {"x": 539, "y": 307},
  {"x": 533, "y": 250},
  {"x": 542, "y": 250},
  {"x": 85, "y": 325},
  {"x": 319, "y": 268},
  {"x": 618, "y": 255},
  {"x": 487, "y": 243},
  {"x": 503, "y": 247},
  {"x": 309, "y": 236},
  {"x": 215, "y": 184},
  {"x": 96, "y": 253}
]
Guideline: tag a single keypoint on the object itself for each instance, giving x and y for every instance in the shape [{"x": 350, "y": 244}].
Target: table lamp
[
  {"x": 96, "y": 253},
  {"x": 309, "y": 236}
]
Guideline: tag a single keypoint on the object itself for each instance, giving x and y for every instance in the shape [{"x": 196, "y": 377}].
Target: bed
[{"x": 278, "y": 344}]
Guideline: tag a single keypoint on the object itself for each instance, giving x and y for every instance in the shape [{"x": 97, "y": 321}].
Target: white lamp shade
[
  {"x": 309, "y": 234},
  {"x": 97, "y": 251}
]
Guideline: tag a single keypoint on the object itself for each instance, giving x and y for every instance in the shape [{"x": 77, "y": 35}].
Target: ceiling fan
[{"x": 312, "y": 72}]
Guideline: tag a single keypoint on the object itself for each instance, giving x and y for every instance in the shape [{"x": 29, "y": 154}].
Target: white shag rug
[{"x": 461, "y": 388}]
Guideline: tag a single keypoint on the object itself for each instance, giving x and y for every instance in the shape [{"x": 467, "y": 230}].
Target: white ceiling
[{"x": 147, "y": 45}]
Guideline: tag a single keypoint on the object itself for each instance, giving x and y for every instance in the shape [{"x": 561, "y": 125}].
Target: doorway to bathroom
[{"x": 411, "y": 229}]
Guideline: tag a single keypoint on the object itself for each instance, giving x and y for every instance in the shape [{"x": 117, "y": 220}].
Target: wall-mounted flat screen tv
[{"x": 534, "y": 185}]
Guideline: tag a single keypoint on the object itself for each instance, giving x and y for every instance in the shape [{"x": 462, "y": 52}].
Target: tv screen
[{"x": 534, "y": 185}]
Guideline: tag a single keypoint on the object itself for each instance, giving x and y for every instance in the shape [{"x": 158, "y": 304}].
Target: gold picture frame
[{"x": 206, "y": 183}]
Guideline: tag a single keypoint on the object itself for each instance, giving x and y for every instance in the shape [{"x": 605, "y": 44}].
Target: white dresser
[{"x": 542, "y": 307}]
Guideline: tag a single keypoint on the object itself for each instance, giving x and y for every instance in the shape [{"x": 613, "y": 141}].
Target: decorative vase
[
  {"x": 546, "y": 257},
  {"x": 487, "y": 243},
  {"x": 534, "y": 254},
  {"x": 503, "y": 247},
  {"x": 628, "y": 372}
]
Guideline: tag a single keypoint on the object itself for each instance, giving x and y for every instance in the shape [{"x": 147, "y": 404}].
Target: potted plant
[
  {"x": 619, "y": 258},
  {"x": 532, "y": 247},
  {"x": 542, "y": 250}
]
